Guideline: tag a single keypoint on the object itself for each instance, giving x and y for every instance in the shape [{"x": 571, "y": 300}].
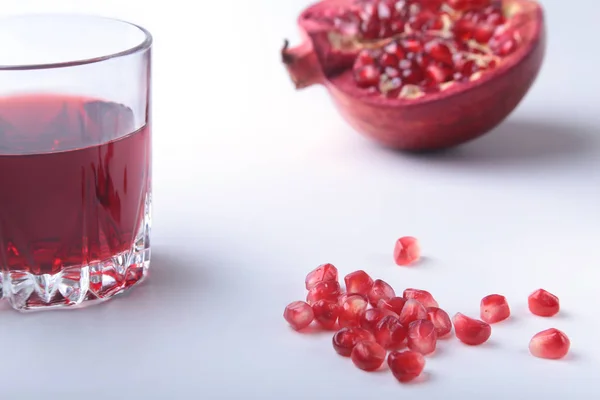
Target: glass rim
[{"x": 140, "y": 47}]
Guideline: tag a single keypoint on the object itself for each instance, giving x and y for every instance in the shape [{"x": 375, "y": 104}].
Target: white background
[{"x": 256, "y": 184}]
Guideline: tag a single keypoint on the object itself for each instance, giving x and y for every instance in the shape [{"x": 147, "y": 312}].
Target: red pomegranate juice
[{"x": 74, "y": 199}]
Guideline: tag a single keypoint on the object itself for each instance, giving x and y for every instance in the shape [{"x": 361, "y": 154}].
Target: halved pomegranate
[{"x": 420, "y": 74}]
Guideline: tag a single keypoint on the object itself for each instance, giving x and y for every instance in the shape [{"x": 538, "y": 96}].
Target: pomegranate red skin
[{"x": 441, "y": 120}]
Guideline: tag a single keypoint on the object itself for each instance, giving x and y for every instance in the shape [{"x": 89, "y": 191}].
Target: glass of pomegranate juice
[{"x": 75, "y": 159}]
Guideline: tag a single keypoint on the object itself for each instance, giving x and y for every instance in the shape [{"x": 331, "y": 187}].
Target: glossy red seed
[
  {"x": 439, "y": 52},
  {"x": 358, "y": 282},
  {"x": 494, "y": 308},
  {"x": 298, "y": 314},
  {"x": 422, "y": 336},
  {"x": 543, "y": 303},
  {"x": 407, "y": 249},
  {"x": 551, "y": 344},
  {"x": 411, "y": 74},
  {"x": 463, "y": 29},
  {"x": 441, "y": 321},
  {"x": 406, "y": 365},
  {"x": 326, "y": 313},
  {"x": 439, "y": 73},
  {"x": 422, "y": 296},
  {"x": 504, "y": 43},
  {"x": 368, "y": 355},
  {"x": 323, "y": 273},
  {"x": 329, "y": 290},
  {"x": 412, "y": 45},
  {"x": 345, "y": 339},
  {"x": 367, "y": 76},
  {"x": 370, "y": 27},
  {"x": 390, "y": 333},
  {"x": 380, "y": 290},
  {"x": 468, "y": 68},
  {"x": 426, "y": 20},
  {"x": 344, "y": 296},
  {"x": 395, "y": 49},
  {"x": 370, "y": 318},
  {"x": 352, "y": 308},
  {"x": 471, "y": 331},
  {"x": 484, "y": 32},
  {"x": 395, "y": 304},
  {"x": 388, "y": 60},
  {"x": 412, "y": 311},
  {"x": 364, "y": 58}
]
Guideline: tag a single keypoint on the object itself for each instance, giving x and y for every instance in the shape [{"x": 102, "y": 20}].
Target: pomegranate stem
[{"x": 302, "y": 64}]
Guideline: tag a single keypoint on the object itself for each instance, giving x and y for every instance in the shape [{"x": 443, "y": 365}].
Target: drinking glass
[{"x": 75, "y": 159}]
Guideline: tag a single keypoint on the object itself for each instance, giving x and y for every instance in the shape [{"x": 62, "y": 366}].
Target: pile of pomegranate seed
[
  {"x": 371, "y": 320},
  {"x": 423, "y": 45}
]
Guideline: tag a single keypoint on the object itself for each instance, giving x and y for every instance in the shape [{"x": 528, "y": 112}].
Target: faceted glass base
[{"x": 82, "y": 285}]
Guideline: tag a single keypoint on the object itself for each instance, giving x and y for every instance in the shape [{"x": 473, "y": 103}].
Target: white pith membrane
[{"x": 480, "y": 53}]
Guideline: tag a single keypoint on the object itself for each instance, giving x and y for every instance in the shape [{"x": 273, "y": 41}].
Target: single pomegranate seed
[
  {"x": 344, "y": 296},
  {"x": 551, "y": 344},
  {"x": 328, "y": 290},
  {"x": 326, "y": 313},
  {"x": 407, "y": 248},
  {"x": 390, "y": 333},
  {"x": 439, "y": 52},
  {"x": 543, "y": 303},
  {"x": 425, "y": 21},
  {"x": 370, "y": 27},
  {"x": 484, "y": 32},
  {"x": 323, "y": 273},
  {"x": 352, "y": 308},
  {"x": 370, "y": 318},
  {"x": 441, "y": 321},
  {"x": 364, "y": 58},
  {"x": 422, "y": 296},
  {"x": 298, "y": 314},
  {"x": 395, "y": 304},
  {"x": 471, "y": 331},
  {"x": 358, "y": 282},
  {"x": 395, "y": 49},
  {"x": 406, "y": 365},
  {"x": 380, "y": 290},
  {"x": 368, "y": 355},
  {"x": 412, "y": 311},
  {"x": 412, "y": 45},
  {"x": 494, "y": 308},
  {"x": 367, "y": 76},
  {"x": 345, "y": 339},
  {"x": 463, "y": 29},
  {"x": 411, "y": 71},
  {"x": 388, "y": 60},
  {"x": 468, "y": 68},
  {"x": 503, "y": 44},
  {"x": 422, "y": 336}
]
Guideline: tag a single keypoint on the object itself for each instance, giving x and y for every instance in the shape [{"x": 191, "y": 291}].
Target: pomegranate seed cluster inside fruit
[
  {"x": 369, "y": 320},
  {"x": 407, "y": 48}
]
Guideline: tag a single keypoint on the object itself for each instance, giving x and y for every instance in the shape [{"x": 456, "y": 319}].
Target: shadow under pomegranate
[{"x": 420, "y": 74}]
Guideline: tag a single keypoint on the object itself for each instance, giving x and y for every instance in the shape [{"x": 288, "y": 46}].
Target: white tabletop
[{"x": 255, "y": 184}]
